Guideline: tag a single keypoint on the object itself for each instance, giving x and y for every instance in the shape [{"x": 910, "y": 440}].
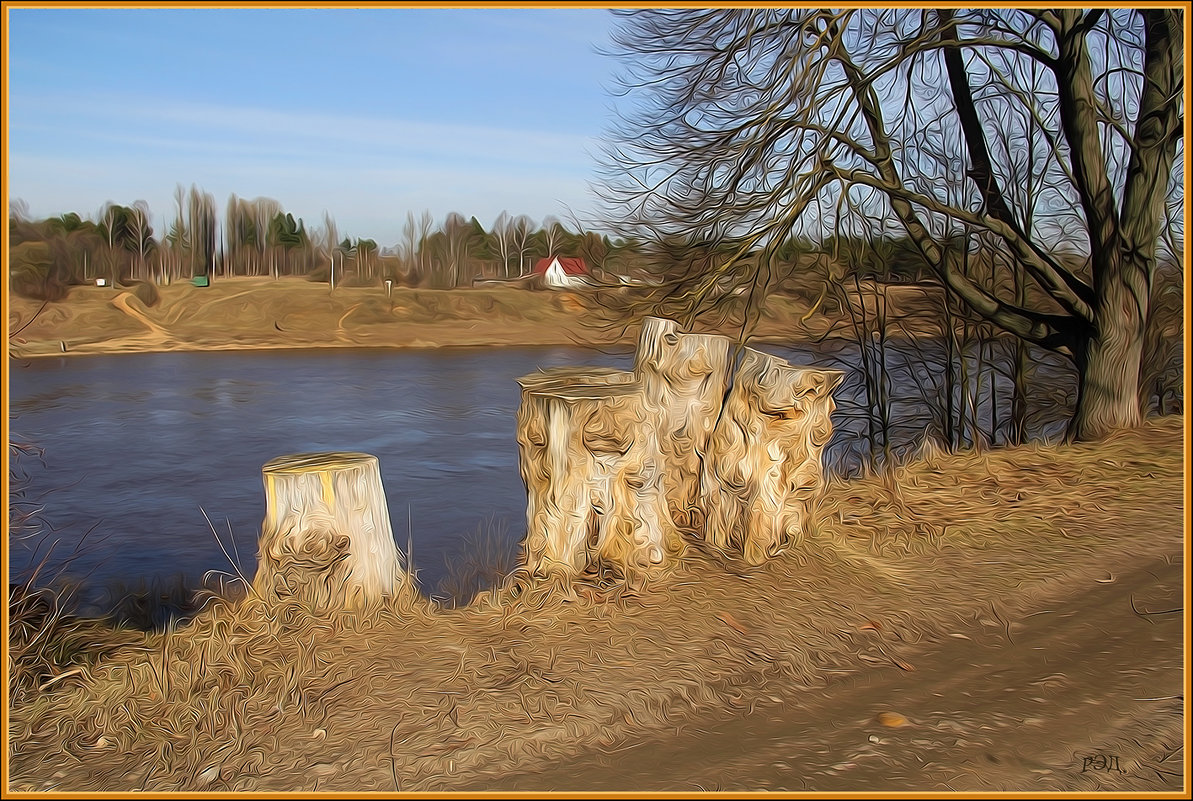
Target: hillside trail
[{"x": 1085, "y": 693}]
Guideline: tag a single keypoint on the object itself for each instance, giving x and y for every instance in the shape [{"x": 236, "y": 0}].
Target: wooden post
[
  {"x": 593, "y": 481},
  {"x": 326, "y": 538},
  {"x": 684, "y": 378},
  {"x": 765, "y": 473}
]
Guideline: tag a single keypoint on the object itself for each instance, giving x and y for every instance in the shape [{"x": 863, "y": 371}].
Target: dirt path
[{"x": 1082, "y": 694}]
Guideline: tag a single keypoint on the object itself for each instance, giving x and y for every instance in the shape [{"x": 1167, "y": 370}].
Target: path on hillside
[{"x": 1084, "y": 693}]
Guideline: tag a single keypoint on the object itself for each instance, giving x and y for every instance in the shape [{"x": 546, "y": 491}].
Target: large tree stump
[
  {"x": 532, "y": 418},
  {"x": 684, "y": 379},
  {"x": 765, "y": 474},
  {"x": 326, "y": 538},
  {"x": 593, "y": 479}
]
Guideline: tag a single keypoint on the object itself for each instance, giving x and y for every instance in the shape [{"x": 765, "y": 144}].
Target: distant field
[
  {"x": 248, "y": 313},
  {"x": 241, "y": 313}
]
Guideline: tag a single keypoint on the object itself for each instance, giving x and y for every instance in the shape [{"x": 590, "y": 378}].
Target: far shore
[{"x": 239, "y": 314}]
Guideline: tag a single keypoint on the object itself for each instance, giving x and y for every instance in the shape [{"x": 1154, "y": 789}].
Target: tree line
[{"x": 257, "y": 237}]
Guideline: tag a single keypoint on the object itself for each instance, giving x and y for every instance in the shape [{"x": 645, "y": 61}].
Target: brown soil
[{"x": 1012, "y": 607}]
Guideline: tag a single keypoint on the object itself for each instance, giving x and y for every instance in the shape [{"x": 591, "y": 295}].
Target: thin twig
[
  {"x": 393, "y": 761},
  {"x": 232, "y": 562}
]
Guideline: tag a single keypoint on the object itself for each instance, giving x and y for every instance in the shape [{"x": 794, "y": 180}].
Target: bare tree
[
  {"x": 521, "y": 229},
  {"x": 202, "y": 226},
  {"x": 328, "y": 243},
  {"x": 553, "y": 233},
  {"x": 264, "y": 210},
  {"x": 141, "y": 232},
  {"x": 503, "y": 238},
  {"x": 749, "y": 121},
  {"x": 408, "y": 250}
]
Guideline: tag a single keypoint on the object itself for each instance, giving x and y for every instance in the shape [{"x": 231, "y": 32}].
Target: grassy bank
[
  {"x": 263, "y": 313},
  {"x": 414, "y": 698}
]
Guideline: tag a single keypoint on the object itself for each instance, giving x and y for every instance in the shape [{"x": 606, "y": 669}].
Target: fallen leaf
[
  {"x": 732, "y": 623},
  {"x": 892, "y": 719},
  {"x": 899, "y": 663}
]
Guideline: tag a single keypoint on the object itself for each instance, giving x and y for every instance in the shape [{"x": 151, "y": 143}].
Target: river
[{"x": 135, "y": 453}]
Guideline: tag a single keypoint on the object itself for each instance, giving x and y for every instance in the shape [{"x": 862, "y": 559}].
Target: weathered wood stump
[
  {"x": 532, "y": 419},
  {"x": 684, "y": 379},
  {"x": 765, "y": 472},
  {"x": 326, "y": 539},
  {"x": 593, "y": 480}
]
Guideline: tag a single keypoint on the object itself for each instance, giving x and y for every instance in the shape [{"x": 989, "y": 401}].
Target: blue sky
[{"x": 365, "y": 114}]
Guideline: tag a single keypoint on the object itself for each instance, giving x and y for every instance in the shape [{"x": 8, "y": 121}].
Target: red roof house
[{"x": 562, "y": 272}]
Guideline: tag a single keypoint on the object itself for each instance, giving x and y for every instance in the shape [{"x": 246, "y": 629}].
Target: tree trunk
[
  {"x": 684, "y": 380},
  {"x": 765, "y": 473},
  {"x": 593, "y": 479},
  {"x": 326, "y": 539},
  {"x": 1108, "y": 372}
]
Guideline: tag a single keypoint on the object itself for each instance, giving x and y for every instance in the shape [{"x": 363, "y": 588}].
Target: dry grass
[
  {"x": 254, "y": 313},
  {"x": 242, "y": 313},
  {"x": 417, "y": 698},
  {"x": 484, "y": 563}
]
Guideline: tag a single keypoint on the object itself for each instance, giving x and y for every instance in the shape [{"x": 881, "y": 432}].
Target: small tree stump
[
  {"x": 684, "y": 378},
  {"x": 765, "y": 474},
  {"x": 326, "y": 538},
  {"x": 593, "y": 480}
]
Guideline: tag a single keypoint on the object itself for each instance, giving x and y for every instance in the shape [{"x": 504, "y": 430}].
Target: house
[{"x": 560, "y": 272}]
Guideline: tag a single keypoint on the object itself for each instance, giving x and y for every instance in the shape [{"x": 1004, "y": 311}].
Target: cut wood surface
[
  {"x": 326, "y": 538},
  {"x": 548, "y": 377},
  {"x": 765, "y": 474}
]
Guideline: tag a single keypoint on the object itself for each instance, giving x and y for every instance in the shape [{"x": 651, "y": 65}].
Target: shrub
[
  {"x": 146, "y": 292},
  {"x": 35, "y": 274}
]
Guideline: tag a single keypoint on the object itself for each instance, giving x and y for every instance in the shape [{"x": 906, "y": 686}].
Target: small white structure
[
  {"x": 562, "y": 273},
  {"x": 101, "y": 281}
]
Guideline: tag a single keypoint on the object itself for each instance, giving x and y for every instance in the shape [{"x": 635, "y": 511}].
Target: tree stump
[
  {"x": 684, "y": 379},
  {"x": 593, "y": 479},
  {"x": 326, "y": 538},
  {"x": 765, "y": 474},
  {"x": 531, "y": 417}
]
